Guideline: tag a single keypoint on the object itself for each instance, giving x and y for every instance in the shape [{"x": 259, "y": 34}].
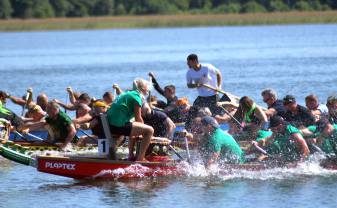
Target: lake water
[{"x": 296, "y": 60}]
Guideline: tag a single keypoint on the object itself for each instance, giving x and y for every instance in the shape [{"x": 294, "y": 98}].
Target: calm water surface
[{"x": 291, "y": 59}]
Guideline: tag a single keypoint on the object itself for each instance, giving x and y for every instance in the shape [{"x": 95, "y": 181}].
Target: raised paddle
[
  {"x": 114, "y": 87},
  {"x": 226, "y": 96},
  {"x": 68, "y": 90},
  {"x": 150, "y": 82},
  {"x": 29, "y": 91}
]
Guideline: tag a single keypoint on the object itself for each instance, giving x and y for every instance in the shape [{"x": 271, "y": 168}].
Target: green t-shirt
[
  {"x": 262, "y": 134},
  {"x": 285, "y": 146},
  {"x": 122, "y": 110},
  {"x": 3, "y": 110},
  {"x": 313, "y": 129},
  {"x": 223, "y": 143},
  {"x": 326, "y": 145},
  {"x": 330, "y": 143},
  {"x": 59, "y": 126}
]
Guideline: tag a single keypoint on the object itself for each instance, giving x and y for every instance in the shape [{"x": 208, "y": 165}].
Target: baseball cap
[
  {"x": 288, "y": 99},
  {"x": 208, "y": 120}
]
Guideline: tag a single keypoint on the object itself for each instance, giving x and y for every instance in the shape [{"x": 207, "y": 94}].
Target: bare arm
[
  {"x": 117, "y": 88},
  {"x": 86, "y": 118},
  {"x": 69, "y": 106},
  {"x": 16, "y": 100},
  {"x": 306, "y": 132},
  {"x": 270, "y": 112},
  {"x": 261, "y": 116},
  {"x": 35, "y": 125},
  {"x": 72, "y": 98},
  {"x": 70, "y": 136},
  {"x": 301, "y": 144}
]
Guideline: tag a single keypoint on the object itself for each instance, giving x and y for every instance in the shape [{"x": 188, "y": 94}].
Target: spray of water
[{"x": 309, "y": 168}]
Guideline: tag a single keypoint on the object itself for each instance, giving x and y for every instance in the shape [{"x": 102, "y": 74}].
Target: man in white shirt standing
[{"x": 199, "y": 74}]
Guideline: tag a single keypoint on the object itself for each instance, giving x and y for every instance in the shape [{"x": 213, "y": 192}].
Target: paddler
[
  {"x": 251, "y": 117},
  {"x": 95, "y": 124},
  {"x": 108, "y": 98},
  {"x": 297, "y": 115},
  {"x": 286, "y": 141},
  {"x": 15, "y": 121},
  {"x": 331, "y": 103},
  {"x": 126, "y": 107},
  {"x": 199, "y": 74},
  {"x": 61, "y": 129},
  {"x": 322, "y": 135},
  {"x": 163, "y": 126},
  {"x": 317, "y": 110},
  {"x": 217, "y": 145},
  {"x": 275, "y": 106},
  {"x": 169, "y": 92},
  {"x": 83, "y": 99},
  {"x": 327, "y": 136}
]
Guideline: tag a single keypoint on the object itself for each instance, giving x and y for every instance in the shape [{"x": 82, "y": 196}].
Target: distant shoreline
[{"x": 163, "y": 21}]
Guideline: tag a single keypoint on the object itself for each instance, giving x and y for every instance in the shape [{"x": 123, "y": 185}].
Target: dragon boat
[
  {"x": 95, "y": 166},
  {"x": 112, "y": 165}
]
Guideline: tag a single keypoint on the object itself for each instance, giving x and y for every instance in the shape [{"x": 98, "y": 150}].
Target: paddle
[
  {"x": 68, "y": 90},
  {"x": 29, "y": 91},
  {"x": 225, "y": 96},
  {"x": 260, "y": 149},
  {"x": 150, "y": 80},
  {"x": 232, "y": 117},
  {"x": 318, "y": 149},
  {"x": 114, "y": 87},
  {"x": 175, "y": 152},
  {"x": 187, "y": 150},
  {"x": 81, "y": 130},
  {"x": 20, "y": 135},
  {"x": 29, "y": 134}
]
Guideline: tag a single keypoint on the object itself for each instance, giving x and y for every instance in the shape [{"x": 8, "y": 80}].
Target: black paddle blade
[{"x": 225, "y": 98}]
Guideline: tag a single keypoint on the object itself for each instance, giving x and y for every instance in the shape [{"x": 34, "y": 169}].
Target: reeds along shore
[{"x": 169, "y": 21}]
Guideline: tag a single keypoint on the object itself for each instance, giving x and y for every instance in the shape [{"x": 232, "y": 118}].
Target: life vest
[
  {"x": 3, "y": 110},
  {"x": 249, "y": 116}
]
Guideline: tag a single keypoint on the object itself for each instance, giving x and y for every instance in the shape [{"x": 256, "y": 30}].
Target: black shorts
[{"x": 124, "y": 130}]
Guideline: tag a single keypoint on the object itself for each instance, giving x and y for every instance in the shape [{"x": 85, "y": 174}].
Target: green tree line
[{"x": 82, "y": 8}]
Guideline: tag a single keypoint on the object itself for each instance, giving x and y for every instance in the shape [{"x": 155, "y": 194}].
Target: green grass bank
[{"x": 158, "y": 21}]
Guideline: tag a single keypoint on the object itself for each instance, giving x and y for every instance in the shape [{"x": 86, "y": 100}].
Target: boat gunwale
[{"x": 106, "y": 161}]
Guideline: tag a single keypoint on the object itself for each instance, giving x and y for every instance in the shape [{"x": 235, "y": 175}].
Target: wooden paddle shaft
[{"x": 220, "y": 91}]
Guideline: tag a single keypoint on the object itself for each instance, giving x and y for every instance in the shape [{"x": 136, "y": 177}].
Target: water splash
[
  {"x": 308, "y": 168},
  {"x": 136, "y": 170}
]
